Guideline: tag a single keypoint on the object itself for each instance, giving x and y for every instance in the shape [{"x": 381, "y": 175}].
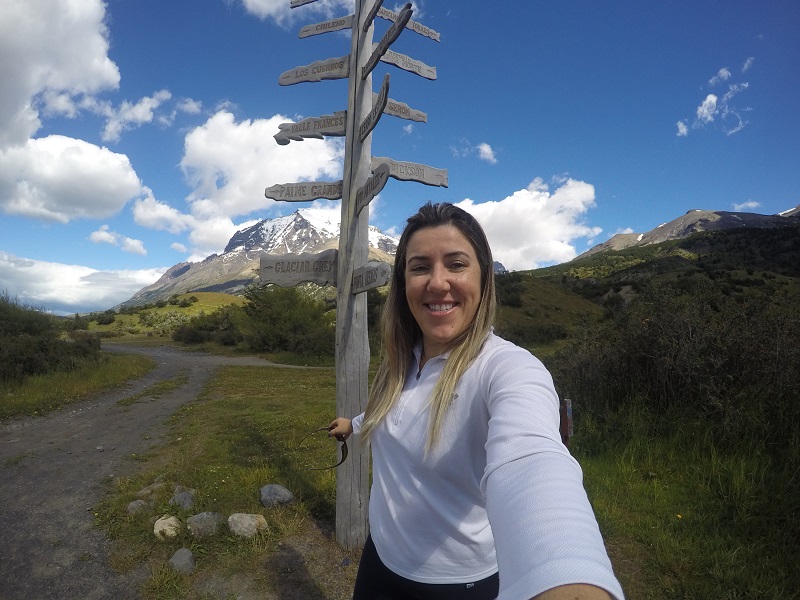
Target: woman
[{"x": 469, "y": 473}]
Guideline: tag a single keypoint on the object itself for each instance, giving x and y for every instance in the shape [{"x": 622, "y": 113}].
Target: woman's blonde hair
[{"x": 400, "y": 331}]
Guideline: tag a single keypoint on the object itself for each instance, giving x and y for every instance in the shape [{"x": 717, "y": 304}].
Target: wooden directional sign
[
  {"x": 313, "y": 127},
  {"x": 419, "y": 28},
  {"x": 404, "y": 111},
  {"x": 387, "y": 40},
  {"x": 372, "y": 187},
  {"x": 371, "y": 15},
  {"x": 326, "y": 26},
  {"x": 372, "y": 275},
  {"x": 330, "y": 68},
  {"x": 371, "y": 120},
  {"x": 408, "y": 171},
  {"x": 305, "y": 191},
  {"x": 289, "y": 270},
  {"x": 409, "y": 64},
  {"x": 296, "y": 3}
]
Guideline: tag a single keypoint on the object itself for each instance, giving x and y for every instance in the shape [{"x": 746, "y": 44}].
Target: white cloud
[
  {"x": 408, "y": 129},
  {"x": 279, "y": 11},
  {"x": 189, "y": 106},
  {"x": 707, "y": 109},
  {"x": 105, "y": 236},
  {"x": 178, "y": 247},
  {"x": 66, "y": 289},
  {"x": 51, "y": 46},
  {"x": 723, "y": 75},
  {"x": 486, "y": 153},
  {"x": 746, "y": 206},
  {"x": 128, "y": 116},
  {"x": 149, "y": 212},
  {"x": 683, "y": 130},
  {"x": 229, "y": 164},
  {"x": 748, "y": 63},
  {"x": 60, "y": 179},
  {"x": 534, "y": 227}
]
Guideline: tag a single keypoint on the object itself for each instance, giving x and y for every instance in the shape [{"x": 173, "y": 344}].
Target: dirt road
[{"x": 54, "y": 469}]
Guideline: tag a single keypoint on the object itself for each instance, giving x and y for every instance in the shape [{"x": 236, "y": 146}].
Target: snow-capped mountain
[{"x": 306, "y": 230}]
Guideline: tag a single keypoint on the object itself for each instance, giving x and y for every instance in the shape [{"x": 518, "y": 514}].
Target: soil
[{"x": 55, "y": 468}]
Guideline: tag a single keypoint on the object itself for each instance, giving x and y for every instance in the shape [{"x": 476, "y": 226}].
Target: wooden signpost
[{"x": 363, "y": 179}]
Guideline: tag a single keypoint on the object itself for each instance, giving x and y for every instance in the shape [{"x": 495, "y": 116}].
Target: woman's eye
[{"x": 457, "y": 266}]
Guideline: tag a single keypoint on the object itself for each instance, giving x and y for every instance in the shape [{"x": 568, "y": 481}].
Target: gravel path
[{"x": 55, "y": 468}]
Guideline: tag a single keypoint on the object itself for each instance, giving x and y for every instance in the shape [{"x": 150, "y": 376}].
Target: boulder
[
  {"x": 182, "y": 561},
  {"x": 167, "y": 527},
  {"x": 246, "y": 525},
  {"x": 274, "y": 494},
  {"x": 204, "y": 524},
  {"x": 183, "y": 498}
]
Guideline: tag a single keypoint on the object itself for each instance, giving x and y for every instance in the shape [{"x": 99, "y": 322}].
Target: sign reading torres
[{"x": 364, "y": 177}]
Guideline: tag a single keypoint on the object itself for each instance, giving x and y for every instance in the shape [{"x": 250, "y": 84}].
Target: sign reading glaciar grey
[
  {"x": 372, "y": 275},
  {"x": 326, "y": 26},
  {"x": 330, "y": 68},
  {"x": 409, "y": 64},
  {"x": 404, "y": 111},
  {"x": 289, "y": 270},
  {"x": 408, "y": 171},
  {"x": 313, "y": 127},
  {"x": 385, "y": 13},
  {"x": 305, "y": 191}
]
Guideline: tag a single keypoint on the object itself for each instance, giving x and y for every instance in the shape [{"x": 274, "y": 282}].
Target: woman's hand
[{"x": 340, "y": 428}]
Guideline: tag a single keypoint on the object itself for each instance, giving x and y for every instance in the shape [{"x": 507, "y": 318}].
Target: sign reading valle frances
[
  {"x": 312, "y": 127},
  {"x": 289, "y": 270}
]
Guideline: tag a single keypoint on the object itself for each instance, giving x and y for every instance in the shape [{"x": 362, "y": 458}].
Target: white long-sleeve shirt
[{"x": 499, "y": 488}]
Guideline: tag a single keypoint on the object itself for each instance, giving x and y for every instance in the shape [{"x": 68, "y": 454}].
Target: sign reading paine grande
[
  {"x": 385, "y": 13},
  {"x": 372, "y": 187},
  {"x": 371, "y": 120},
  {"x": 408, "y": 171},
  {"x": 409, "y": 64},
  {"x": 313, "y": 127},
  {"x": 404, "y": 111},
  {"x": 387, "y": 40},
  {"x": 305, "y": 191},
  {"x": 330, "y": 68},
  {"x": 289, "y": 270},
  {"x": 326, "y": 26},
  {"x": 372, "y": 275}
]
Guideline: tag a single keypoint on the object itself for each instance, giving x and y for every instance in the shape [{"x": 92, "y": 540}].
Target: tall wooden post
[
  {"x": 352, "y": 345},
  {"x": 364, "y": 177}
]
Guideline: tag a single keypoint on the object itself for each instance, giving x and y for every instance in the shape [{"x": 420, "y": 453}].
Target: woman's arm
[
  {"x": 578, "y": 591},
  {"x": 340, "y": 426}
]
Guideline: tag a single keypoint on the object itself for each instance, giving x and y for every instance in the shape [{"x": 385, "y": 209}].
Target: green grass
[
  {"x": 156, "y": 391},
  {"x": 242, "y": 434},
  {"x": 682, "y": 520},
  {"x": 41, "y": 393}
]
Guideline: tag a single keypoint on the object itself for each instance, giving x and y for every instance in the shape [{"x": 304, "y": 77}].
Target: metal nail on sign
[{"x": 289, "y": 270}]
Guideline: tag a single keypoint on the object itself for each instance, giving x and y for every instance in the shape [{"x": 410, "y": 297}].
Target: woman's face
[{"x": 443, "y": 285}]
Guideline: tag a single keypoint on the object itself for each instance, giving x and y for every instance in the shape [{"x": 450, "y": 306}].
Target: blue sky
[{"x": 137, "y": 134}]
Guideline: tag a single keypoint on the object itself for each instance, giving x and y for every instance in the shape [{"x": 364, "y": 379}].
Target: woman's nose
[{"x": 438, "y": 281}]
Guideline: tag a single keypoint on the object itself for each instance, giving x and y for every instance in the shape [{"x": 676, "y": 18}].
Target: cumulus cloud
[
  {"x": 178, "y": 247},
  {"x": 683, "y": 130},
  {"x": 280, "y": 12},
  {"x": 535, "y": 227},
  {"x": 60, "y": 179},
  {"x": 105, "y": 236},
  {"x": 229, "y": 164},
  {"x": 486, "y": 153},
  {"x": 707, "y": 109},
  {"x": 66, "y": 289},
  {"x": 129, "y": 116},
  {"x": 746, "y": 206},
  {"x": 49, "y": 46}
]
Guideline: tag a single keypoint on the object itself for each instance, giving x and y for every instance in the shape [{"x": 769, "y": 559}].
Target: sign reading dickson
[{"x": 289, "y": 270}]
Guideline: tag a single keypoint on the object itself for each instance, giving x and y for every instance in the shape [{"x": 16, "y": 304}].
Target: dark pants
[{"x": 376, "y": 582}]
